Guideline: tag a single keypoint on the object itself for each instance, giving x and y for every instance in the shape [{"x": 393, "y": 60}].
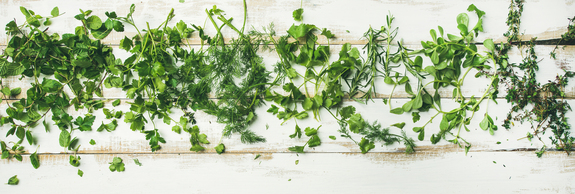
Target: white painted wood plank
[
  {"x": 431, "y": 172},
  {"x": 543, "y": 19}
]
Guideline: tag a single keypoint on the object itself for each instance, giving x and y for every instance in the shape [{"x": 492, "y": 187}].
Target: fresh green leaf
[
  {"x": 13, "y": 180},
  {"x": 463, "y": 18},
  {"x": 297, "y": 14},
  {"x": 64, "y": 138},
  {"x": 137, "y": 162},
  {"x": 75, "y": 160},
  {"x": 35, "y": 160},
  {"x": 220, "y": 148},
  {"x": 399, "y": 125},
  {"x": 92, "y": 142},
  {"x": 397, "y": 111},
  {"x": 55, "y": 12},
  {"x": 80, "y": 173},
  {"x": 488, "y": 43},
  {"x": 94, "y": 22},
  {"x": 356, "y": 123},
  {"x": 116, "y": 102},
  {"x": 365, "y": 145}
]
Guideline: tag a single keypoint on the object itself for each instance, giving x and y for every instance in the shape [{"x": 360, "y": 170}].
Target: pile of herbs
[{"x": 228, "y": 79}]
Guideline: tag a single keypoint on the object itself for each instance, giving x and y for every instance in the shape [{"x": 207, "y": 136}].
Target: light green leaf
[
  {"x": 55, "y": 12},
  {"x": 220, "y": 148},
  {"x": 488, "y": 43},
  {"x": 463, "y": 18},
  {"x": 484, "y": 124},
  {"x": 35, "y": 160},
  {"x": 64, "y": 138},
  {"x": 94, "y": 22}
]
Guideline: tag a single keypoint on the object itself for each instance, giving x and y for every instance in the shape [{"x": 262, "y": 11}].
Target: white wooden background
[{"x": 337, "y": 166}]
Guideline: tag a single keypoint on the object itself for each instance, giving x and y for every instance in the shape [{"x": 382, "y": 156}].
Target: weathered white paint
[
  {"x": 337, "y": 166},
  {"x": 430, "y": 172}
]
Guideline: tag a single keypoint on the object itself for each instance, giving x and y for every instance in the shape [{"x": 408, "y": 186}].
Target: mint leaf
[
  {"x": 35, "y": 160},
  {"x": 13, "y": 180}
]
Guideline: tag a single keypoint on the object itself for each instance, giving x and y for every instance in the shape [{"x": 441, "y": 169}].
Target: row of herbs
[{"x": 164, "y": 73}]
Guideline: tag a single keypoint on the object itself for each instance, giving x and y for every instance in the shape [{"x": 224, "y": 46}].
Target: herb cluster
[
  {"x": 165, "y": 73},
  {"x": 543, "y": 106}
]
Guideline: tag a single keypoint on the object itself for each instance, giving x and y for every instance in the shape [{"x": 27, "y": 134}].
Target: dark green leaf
[
  {"x": 415, "y": 116},
  {"x": 116, "y": 102},
  {"x": 13, "y": 180},
  {"x": 35, "y": 160},
  {"x": 75, "y": 160},
  {"x": 29, "y": 137},
  {"x": 421, "y": 135},
  {"x": 15, "y": 91}
]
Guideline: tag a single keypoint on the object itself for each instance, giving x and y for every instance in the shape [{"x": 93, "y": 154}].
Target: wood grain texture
[
  {"x": 432, "y": 172},
  {"x": 500, "y": 163},
  {"x": 340, "y": 16}
]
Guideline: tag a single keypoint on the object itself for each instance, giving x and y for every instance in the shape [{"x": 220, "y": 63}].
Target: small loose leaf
[
  {"x": 55, "y": 12},
  {"x": 220, "y": 148},
  {"x": 35, "y": 160},
  {"x": 13, "y": 180}
]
